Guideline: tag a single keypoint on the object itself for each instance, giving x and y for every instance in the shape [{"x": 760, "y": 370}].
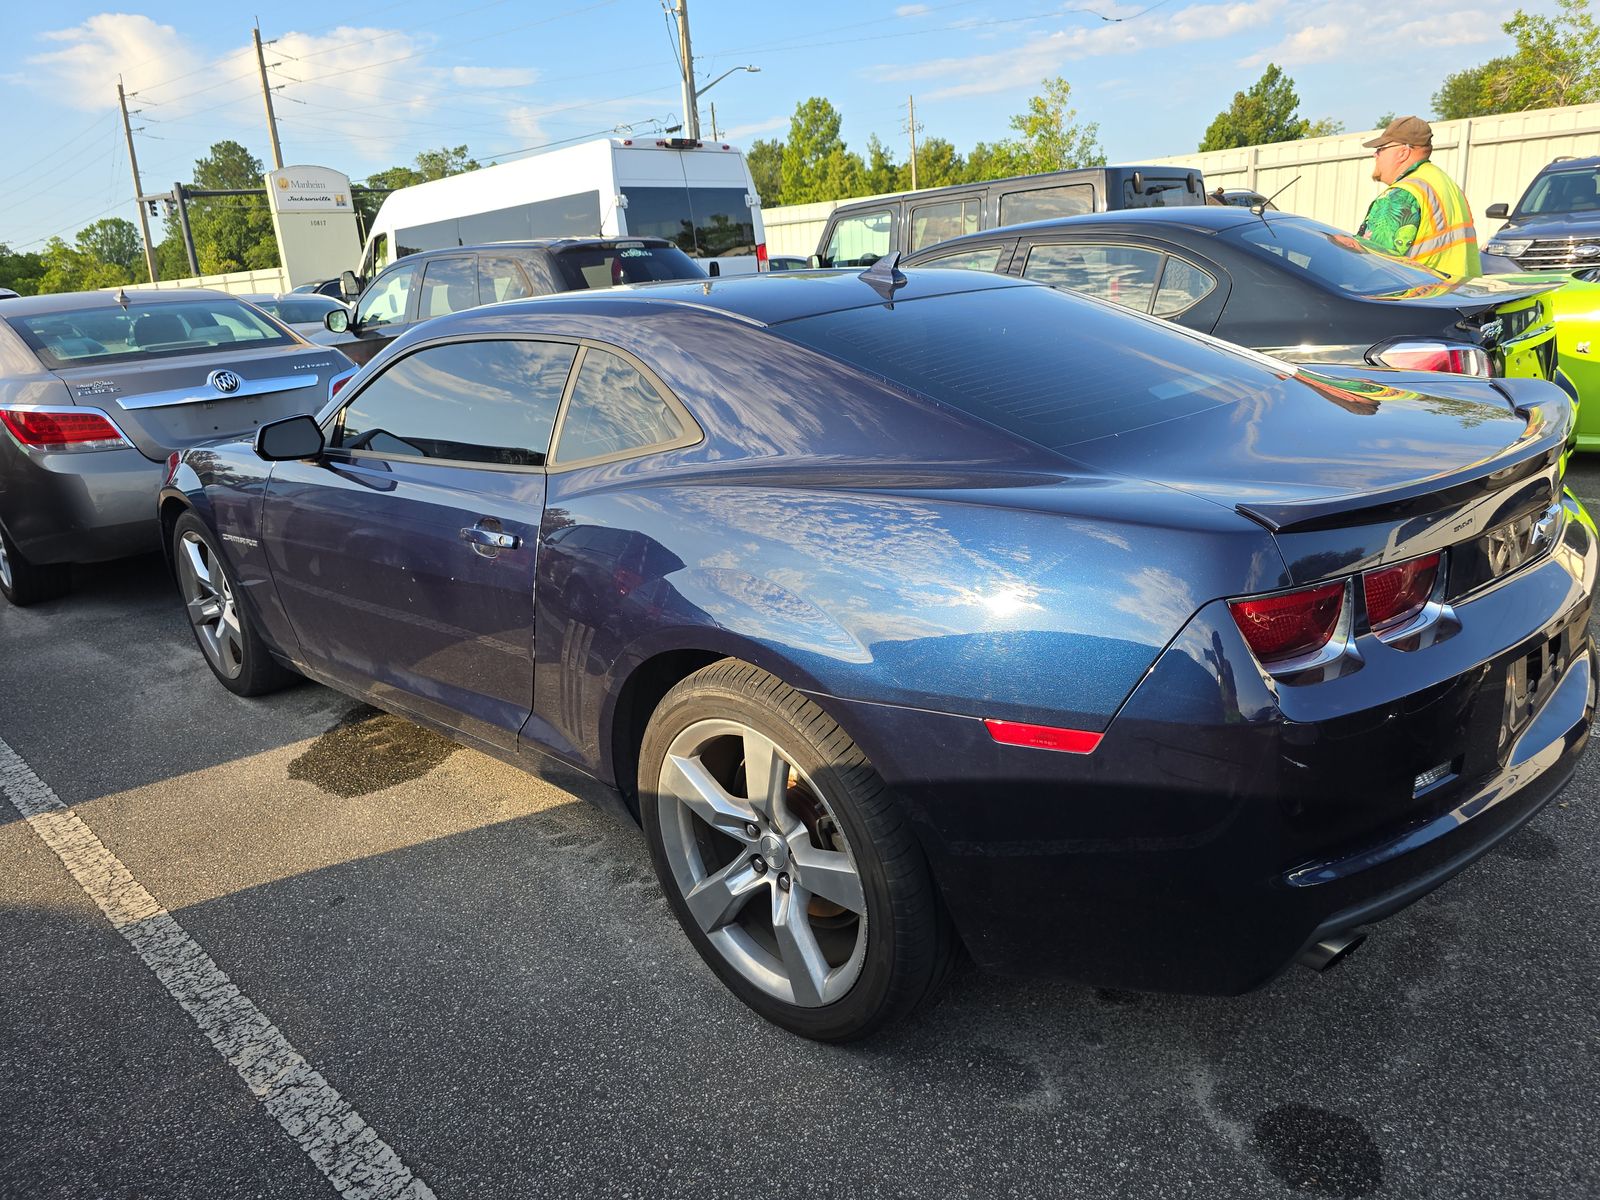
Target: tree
[
  {"x": 1050, "y": 138},
  {"x": 231, "y": 233},
  {"x": 815, "y": 163},
  {"x": 1470, "y": 93},
  {"x": 1324, "y": 127},
  {"x": 20, "y": 270},
  {"x": 72, "y": 269},
  {"x": 1268, "y": 112},
  {"x": 1384, "y": 121},
  {"x": 1556, "y": 62},
  {"x": 882, "y": 173},
  {"x": 447, "y": 160},
  {"x": 112, "y": 241},
  {"x": 938, "y": 164},
  {"x": 765, "y": 160}
]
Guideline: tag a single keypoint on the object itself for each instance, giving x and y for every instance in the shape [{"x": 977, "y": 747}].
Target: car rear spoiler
[{"x": 1538, "y": 449}]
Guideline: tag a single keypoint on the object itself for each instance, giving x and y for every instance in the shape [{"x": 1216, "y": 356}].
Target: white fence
[
  {"x": 268, "y": 281},
  {"x": 1493, "y": 158}
]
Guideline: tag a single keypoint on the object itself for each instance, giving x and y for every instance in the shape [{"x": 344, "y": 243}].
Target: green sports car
[{"x": 1575, "y": 307}]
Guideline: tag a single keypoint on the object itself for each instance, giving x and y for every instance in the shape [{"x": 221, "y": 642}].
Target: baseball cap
[{"x": 1409, "y": 131}]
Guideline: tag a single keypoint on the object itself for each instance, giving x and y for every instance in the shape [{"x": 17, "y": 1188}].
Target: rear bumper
[
  {"x": 79, "y": 507},
  {"x": 1221, "y": 826}
]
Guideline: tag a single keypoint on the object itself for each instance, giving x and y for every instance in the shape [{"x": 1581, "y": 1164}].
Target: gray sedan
[{"x": 97, "y": 389}]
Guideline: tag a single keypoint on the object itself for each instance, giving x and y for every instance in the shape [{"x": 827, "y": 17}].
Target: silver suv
[{"x": 97, "y": 389}]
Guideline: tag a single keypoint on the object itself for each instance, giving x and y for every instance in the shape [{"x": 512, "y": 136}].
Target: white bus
[{"x": 697, "y": 195}]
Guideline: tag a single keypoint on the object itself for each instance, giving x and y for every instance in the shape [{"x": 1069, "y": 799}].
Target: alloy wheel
[
  {"x": 5, "y": 565},
  {"x": 762, "y": 863},
  {"x": 209, "y": 600}
]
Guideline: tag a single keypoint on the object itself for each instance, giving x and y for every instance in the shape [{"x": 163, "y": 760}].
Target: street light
[
  {"x": 694, "y": 101},
  {"x": 702, "y": 91}
]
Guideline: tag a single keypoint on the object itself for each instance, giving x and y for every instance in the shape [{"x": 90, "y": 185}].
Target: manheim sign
[{"x": 309, "y": 189}]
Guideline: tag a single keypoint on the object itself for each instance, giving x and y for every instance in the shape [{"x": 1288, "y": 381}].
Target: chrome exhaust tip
[{"x": 1330, "y": 952}]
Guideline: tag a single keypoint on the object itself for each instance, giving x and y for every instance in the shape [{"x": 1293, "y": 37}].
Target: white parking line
[{"x": 359, "y": 1164}]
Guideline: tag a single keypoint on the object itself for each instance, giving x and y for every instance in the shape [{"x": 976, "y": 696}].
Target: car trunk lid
[{"x": 174, "y": 402}]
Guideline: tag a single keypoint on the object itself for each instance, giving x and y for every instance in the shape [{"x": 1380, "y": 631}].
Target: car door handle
[{"x": 490, "y": 539}]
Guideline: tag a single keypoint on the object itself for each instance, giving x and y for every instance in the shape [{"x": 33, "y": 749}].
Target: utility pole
[
  {"x": 691, "y": 114},
  {"x": 715, "y": 136},
  {"x": 266, "y": 94},
  {"x": 138, "y": 191},
  {"x": 911, "y": 128}
]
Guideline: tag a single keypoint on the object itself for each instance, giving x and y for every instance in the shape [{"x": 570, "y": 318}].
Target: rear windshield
[
  {"x": 102, "y": 335},
  {"x": 1161, "y": 192},
  {"x": 1050, "y": 367},
  {"x": 1562, "y": 192},
  {"x": 608, "y": 266},
  {"x": 703, "y": 222},
  {"x": 299, "y": 310},
  {"x": 1335, "y": 260}
]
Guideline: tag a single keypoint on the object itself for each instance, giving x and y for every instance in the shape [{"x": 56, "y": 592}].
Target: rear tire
[
  {"x": 803, "y": 888},
  {"x": 228, "y": 641},
  {"x": 23, "y": 582}
]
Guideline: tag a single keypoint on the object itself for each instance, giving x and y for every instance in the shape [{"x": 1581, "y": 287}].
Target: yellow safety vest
[{"x": 1446, "y": 239}]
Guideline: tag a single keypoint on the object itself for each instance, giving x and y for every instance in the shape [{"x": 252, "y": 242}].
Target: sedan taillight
[
  {"x": 63, "y": 429},
  {"x": 1290, "y": 624},
  {"x": 1455, "y": 358}
]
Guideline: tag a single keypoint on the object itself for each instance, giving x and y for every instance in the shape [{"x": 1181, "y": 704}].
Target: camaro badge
[{"x": 225, "y": 382}]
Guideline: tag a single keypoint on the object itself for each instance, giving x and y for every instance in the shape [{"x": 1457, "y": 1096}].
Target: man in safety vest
[{"x": 1423, "y": 215}]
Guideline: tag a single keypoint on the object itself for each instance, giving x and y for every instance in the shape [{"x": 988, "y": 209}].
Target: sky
[{"x": 508, "y": 77}]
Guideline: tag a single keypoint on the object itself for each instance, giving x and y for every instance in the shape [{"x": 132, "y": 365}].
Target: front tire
[
  {"x": 785, "y": 858},
  {"x": 23, "y": 582},
  {"x": 232, "y": 648}
]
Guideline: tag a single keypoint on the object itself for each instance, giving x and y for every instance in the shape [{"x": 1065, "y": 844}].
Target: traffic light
[{"x": 154, "y": 211}]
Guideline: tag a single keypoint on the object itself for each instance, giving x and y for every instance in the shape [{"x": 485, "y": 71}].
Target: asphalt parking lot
[{"x": 488, "y": 998}]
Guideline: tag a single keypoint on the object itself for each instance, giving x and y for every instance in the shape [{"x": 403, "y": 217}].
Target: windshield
[
  {"x": 299, "y": 310},
  {"x": 608, "y": 266},
  {"x": 1335, "y": 260},
  {"x": 1031, "y": 360},
  {"x": 703, "y": 222},
  {"x": 1562, "y": 192},
  {"x": 112, "y": 334}
]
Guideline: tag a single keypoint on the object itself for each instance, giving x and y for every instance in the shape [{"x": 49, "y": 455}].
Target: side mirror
[
  {"x": 1500, "y": 211},
  {"x": 814, "y": 261},
  {"x": 1138, "y": 183},
  {"x": 714, "y": 269},
  {"x": 289, "y": 440},
  {"x": 349, "y": 284},
  {"x": 337, "y": 320}
]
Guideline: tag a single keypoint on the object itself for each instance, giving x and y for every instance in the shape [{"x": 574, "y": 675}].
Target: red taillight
[
  {"x": 1453, "y": 357},
  {"x": 1043, "y": 737},
  {"x": 172, "y": 465},
  {"x": 1291, "y": 624},
  {"x": 761, "y": 256},
  {"x": 84, "y": 429},
  {"x": 337, "y": 384},
  {"x": 1396, "y": 594}
]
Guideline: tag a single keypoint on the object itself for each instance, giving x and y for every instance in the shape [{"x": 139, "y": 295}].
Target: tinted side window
[
  {"x": 860, "y": 240},
  {"x": 1041, "y": 204},
  {"x": 489, "y": 402},
  {"x": 613, "y": 409},
  {"x": 1182, "y": 284},
  {"x": 1125, "y": 275},
  {"x": 385, "y": 301},
  {"x": 501, "y": 279},
  {"x": 980, "y": 258},
  {"x": 932, "y": 223},
  {"x": 448, "y": 285}
]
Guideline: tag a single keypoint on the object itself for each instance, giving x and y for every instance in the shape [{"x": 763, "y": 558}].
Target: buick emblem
[{"x": 225, "y": 382}]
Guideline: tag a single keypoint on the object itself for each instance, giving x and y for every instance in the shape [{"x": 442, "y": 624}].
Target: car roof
[
  {"x": 764, "y": 299},
  {"x": 28, "y": 306},
  {"x": 1572, "y": 164},
  {"x": 1028, "y": 182}
]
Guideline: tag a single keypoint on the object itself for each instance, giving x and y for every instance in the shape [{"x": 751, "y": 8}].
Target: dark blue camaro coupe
[{"x": 914, "y": 611}]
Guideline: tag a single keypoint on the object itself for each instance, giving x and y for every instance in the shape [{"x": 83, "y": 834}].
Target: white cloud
[
  {"x": 523, "y": 120},
  {"x": 494, "y": 77},
  {"x": 740, "y": 133},
  {"x": 1039, "y": 57},
  {"x": 81, "y": 73},
  {"x": 1311, "y": 44},
  {"x": 911, "y": 10}
]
